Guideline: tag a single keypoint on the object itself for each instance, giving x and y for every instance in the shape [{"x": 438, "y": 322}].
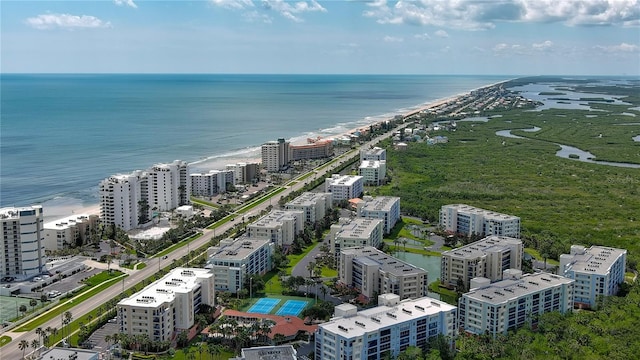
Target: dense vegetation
[{"x": 561, "y": 200}]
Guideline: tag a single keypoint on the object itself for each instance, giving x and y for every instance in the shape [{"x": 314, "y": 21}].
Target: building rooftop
[
  {"x": 479, "y": 248},
  {"x": 307, "y": 199},
  {"x": 179, "y": 280},
  {"x": 596, "y": 260},
  {"x": 236, "y": 249},
  {"x": 379, "y": 203},
  {"x": 359, "y": 228},
  {"x": 371, "y": 256},
  {"x": 14, "y": 212},
  {"x": 503, "y": 291},
  {"x": 281, "y": 352},
  {"x": 374, "y": 319},
  {"x": 377, "y": 151},
  {"x": 275, "y": 218},
  {"x": 370, "y": 164},
  {"x": 67, "y": 222},
  {"x": 66, "y": 354},
  {"x": 463, "y": 208},
  {"x": 343, "y": 180}
]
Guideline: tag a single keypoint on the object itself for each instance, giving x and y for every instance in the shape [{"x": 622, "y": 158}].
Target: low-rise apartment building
[
  {"x": 344, "y": 187},
  {"x": 508, "y": 304},
  {"x": 317, "y": 149},
  {"x": 385, "y": 208},
  {"x": 354, "y": 233},
  {"x": 168, "y": 305},
  {"x": 597, "y": 271},
  {"x": 385, "y": 330},
  {"x": 280, "y": 226},
  {"x": 373, "y": 272},
  {"x": 374, "y": 154},
  {"x": 487, "y": 258},
  {"x": 70, "y": 231},
  {"x": 233, "y": 260},
  {"x": 314, "y": 205},
  {"x": 468, "y": 220},
  {"x": 373, "y": 172}
]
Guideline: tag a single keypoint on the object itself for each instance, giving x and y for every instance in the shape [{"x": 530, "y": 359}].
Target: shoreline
[{"x": 62, "y": 207}]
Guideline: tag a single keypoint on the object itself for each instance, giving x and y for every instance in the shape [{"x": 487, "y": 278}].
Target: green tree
[
  {"x": 23, "y": 345},
  {"x": 33, "y": 303}
]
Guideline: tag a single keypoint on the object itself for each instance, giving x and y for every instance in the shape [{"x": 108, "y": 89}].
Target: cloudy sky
[{"x": 514, "y": 37}]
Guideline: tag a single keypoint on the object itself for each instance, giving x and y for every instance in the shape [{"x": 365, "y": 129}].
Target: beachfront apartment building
[
  {"x": 129, "y": 200},
  {"x": 168, "y": 305},
  {"x": 468, "y": 220},
  {"x": 314, "y": 205},
  {"x": 487, "y": 258},
  {"x": 71, "y": 231},
  {"x": 373, "y": 154},
  {"x": 598, "y": 271},
  {"x": 212, "y": 183},
  {"x": 384, "y": 331},
  {"x": 168, "y": 185},
  {"x": 279, "y": 226},
  {"x": 355, "y": 232},
  {"x": 373, "y": 272},
  {"x": 244, "y": 172},
  {"x": 509, "y": 304},
  {"x": 233, "y": 260},
  {"x": 373, "y": 172},
  {"x": 23, "y": 253},
  {"x": 344, "y": 187},
  {"x": 316, "y": 149},
  {"x": 385, "y": 208},
  {"x": 275, "y": 155}
]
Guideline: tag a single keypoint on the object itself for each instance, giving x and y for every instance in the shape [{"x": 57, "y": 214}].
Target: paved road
[{"x": 11, "y": 351}]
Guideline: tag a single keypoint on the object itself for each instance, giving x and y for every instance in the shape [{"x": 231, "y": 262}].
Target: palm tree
[
  {"x": 35, "y": 344},
  {"x": 23, "y": 345},
  {"x": 33, "y": 303},
  {"x": 67, "y": 317},
  {"x": 310, "y": 266},
  {"x": 39, "y": 332}
]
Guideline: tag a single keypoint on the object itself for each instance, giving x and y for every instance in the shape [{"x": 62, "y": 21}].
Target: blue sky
[{"x": 505, "y": 37}]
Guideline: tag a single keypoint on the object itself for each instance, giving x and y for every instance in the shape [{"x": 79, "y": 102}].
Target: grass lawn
[
  {"x": 446, "y": 295},
  {"x": 99, "y": 278},
  {"x": 180, "y": 244},
  {"x": 272, "y": 283},
  {"x": 294, "y": 259},
  {"x": 4, "y": 340},
  {"x": 328, "y": 272},
  {"x": 536, "y": 255},
  {"x": 140, "y": 266}
]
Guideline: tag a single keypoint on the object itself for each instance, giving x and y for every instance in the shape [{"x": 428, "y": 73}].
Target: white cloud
[
  {"x": 128, "y": 3},
  {"x": 392, "y": 39},
  {"x": 233, "y": 4},
  {"x": 481, "y": 15},
  {"x": 543, "y": 45},
  {"x": 442, "y": 34},
  {"x": 291, "y": 10},
  {"x": 423, "y": 36},
  {"x": 621, "y": 48},
  {"x": 66, "y": 21},
  {"x": 254, "y": 16}
]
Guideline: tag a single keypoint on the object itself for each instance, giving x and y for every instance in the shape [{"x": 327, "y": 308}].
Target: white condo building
[
  {"x": 385, "y": 208},
  {"x": 469, "y": 220},
  {"x": 280, "y": 226},
  {"x": 212, "y": 183},
  {"x": 22, "y": 253},
  {"x": 168, "y": 305},
  {"x": 129, "y": 200},
  {"x": 597, "y": 271},
  {"x": 235, "y": 259},
  {"x": 374, "y": 154},
  {"x": 373, "y": 172},
  {"x": 344, "y": 187},
  {"x": 508, "y": 304},
  {"x": 487, "y": 258},
  {"x": 275, "y": 155},
  {"x": 244, "y": 172},
  {"x": 355, "y": 232},
  {"x": 68, "y": 231},
  {"x": 314, "y": 205},
  {"x": 373, "y": 272},
  {"x": 387, "y": 329}
]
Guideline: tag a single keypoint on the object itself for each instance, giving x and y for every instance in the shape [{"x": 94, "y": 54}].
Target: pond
[{"x": 429, "y": 263}]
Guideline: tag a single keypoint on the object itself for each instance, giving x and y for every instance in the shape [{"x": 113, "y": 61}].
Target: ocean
[{"x": 61, "y": 134}]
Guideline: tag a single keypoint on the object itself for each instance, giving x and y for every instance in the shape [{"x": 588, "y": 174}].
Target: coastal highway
[{"x": 11, "y": 350}]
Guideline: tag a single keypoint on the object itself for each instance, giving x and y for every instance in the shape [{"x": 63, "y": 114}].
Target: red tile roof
[{"x": 286, "y": 325}]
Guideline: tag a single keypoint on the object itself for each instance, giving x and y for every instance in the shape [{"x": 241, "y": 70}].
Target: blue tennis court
[
  {"x": 264, "y": 306},
  {"x": 292, "y": 307}
]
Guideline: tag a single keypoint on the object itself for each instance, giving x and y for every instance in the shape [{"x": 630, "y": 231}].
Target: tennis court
[
  {"x": 292, "y": 307},
  {"x": 264, "y": 306}
]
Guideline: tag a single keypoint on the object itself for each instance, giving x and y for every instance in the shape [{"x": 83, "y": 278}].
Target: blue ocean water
[{"x": 60, "y": 135}]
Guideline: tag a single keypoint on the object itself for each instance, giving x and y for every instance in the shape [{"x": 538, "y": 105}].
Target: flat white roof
[
  {"x": 66, "y": 222},
  {"x": 307, "y": 199},
  {"x": 359, "y": 228},
  {"x": 596, "y": 260},
  {"x": 379, "y": 203},
  {"x": 344, "y": 180},
  {"x": 179, "y": 280},
  {"x": 275, "y": 218},
  {"x": 374, "y": 319},
  {"x": 371, "y": 256},
  {"x": 511, "y": 289},
  {"x": 463, "y": 208},
  {"x": 239, "y": 249},
  {"x": 370, "y": 164},
  {"x": 481, "y": 247}
]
